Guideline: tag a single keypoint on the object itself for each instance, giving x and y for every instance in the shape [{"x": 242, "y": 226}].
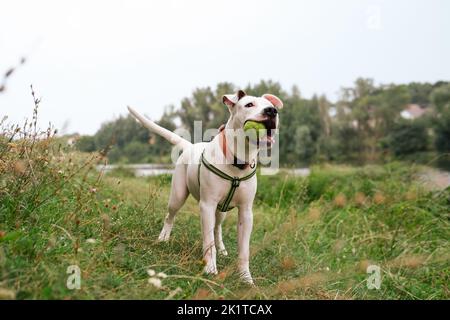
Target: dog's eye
[{"x": 249, "y": 105}]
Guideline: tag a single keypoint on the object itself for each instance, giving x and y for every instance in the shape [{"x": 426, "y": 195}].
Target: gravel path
[{"x": 435, "y": 179}]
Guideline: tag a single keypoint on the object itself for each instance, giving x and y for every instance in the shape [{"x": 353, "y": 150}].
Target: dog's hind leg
[
  {"x": 178, "y": 194},
  {"x": 220, "y": 217}
]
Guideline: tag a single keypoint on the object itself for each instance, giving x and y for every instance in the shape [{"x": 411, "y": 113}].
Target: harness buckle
[{"x": 235, "y": 182}]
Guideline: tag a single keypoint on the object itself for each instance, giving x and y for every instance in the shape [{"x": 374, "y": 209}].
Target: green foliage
[
  {"x": 408, "y": 137},
  {"x": 304, "y": 147},
  {"x": 136, "y": 151},
  {"x": 440, "y": 98},
  {"x": 120, "y": 132},
  {"x": 86, "y": 144},
  {"x": 442, "y": 128},
  {"x": 206, "y": 106},
  {"x": 126, "y": 141},
  {"x": 281, "y": 191},
  {"x": 420, "y": 93},
  {"x": 300, "y": 148}
]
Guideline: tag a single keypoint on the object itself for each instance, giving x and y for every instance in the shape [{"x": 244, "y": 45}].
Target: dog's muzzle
[
  {"x": 269, "y": 119},
  {"x": 270, "y": 112}
]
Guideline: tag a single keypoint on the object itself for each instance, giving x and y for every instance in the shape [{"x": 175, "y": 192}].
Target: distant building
[
  {"x": 413, "y": 111},
  {"x": 72, "y": 139}
]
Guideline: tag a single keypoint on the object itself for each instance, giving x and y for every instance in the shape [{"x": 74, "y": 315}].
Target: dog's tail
[{"x": 173, "y": 138}]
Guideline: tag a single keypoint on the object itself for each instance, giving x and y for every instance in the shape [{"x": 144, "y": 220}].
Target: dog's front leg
[
  {"x": 208, "y": 219},
  {"x": 245, "y": 226},
  {"x": 220, "y": 217}
]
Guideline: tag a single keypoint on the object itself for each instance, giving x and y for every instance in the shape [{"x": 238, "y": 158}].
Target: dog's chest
[
  {"x": 229, "y": 197},
  {"x": 216, "y": 189}
]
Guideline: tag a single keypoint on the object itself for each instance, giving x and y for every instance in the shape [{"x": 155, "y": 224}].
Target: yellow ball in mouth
[{"x": 256, "y": 127}]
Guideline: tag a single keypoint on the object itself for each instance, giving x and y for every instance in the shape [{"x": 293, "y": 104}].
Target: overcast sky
[{"x": 89, "y": 59}]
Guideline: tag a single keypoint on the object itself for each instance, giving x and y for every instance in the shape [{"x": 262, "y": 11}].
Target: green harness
[{"x": 235, "y": 181}]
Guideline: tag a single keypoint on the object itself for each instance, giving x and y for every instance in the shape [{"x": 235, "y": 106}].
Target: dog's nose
[{"x": 270, "y": 112}]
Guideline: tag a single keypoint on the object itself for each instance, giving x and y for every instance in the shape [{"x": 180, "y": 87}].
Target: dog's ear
[
  {"x": 231, "y": 99},
  {"x": 241, "y": 94},
  {"x": 277, "y": 103}
]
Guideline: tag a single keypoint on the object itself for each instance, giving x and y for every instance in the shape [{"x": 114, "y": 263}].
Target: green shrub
[{"x": 86, "y": 144}]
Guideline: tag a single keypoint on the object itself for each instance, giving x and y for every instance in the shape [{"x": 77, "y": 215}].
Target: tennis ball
[
  {"x": 254, "y": 125},
  {"x": 254, "y": 128}
]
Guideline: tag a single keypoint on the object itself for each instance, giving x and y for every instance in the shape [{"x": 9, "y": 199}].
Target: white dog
[{"x": 220, "y": 175}]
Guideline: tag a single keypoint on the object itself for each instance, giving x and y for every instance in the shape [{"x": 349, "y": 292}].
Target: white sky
[{"x": 89, "y": 59}]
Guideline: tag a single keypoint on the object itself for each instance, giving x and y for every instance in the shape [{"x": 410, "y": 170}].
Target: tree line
[{"x": 366, "y": 124}]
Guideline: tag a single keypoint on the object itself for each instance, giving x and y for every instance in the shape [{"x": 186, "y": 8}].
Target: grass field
[{"x": 313, "y": 237}]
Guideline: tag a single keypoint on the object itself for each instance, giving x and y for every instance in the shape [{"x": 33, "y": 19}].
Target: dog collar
[{"x": 235, "y": 181}]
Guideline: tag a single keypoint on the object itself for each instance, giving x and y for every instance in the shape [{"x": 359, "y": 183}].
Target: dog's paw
[
  {"x": 246, "y": 277},
  {"x": 210, "y": 268},
  {"x": 223, "y": 252},
  {"x": 165, "y": 234}
]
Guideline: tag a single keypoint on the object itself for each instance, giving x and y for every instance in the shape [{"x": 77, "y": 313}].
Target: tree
[
  {"x": 120, "y": 132},
  {"x": 372, "y": 113},
  {"x": 442, "y": 128},
  {"x": 440, "y": 98},
  {"x": 263, "y": 87},
  {"x": 197, "y": 108},
  {"x": 129, "y": 141},
  {"x": 86, "y": 144},
  {"x": 298, "y": 113},
  {"x": 324, "y": 111},
  {"x": 136, "y": 152},
  {"x": 304, "y": 146},
  {"x": 420, "y": 93},
  {"x": 408, "y": 137}
]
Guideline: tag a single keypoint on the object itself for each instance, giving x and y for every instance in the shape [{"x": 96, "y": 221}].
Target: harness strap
[{"x": 235, "y": 181}]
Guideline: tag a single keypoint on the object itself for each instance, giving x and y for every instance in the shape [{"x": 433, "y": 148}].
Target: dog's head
[{"x": 262, "y": 109}]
